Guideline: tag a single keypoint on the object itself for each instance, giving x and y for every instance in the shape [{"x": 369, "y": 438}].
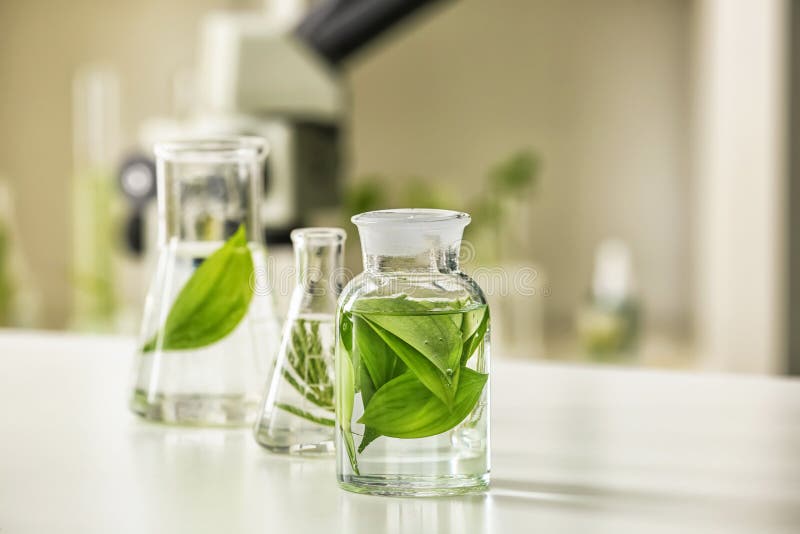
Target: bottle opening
[
  {"x": 414, "y": 239},
  {"x": 215, "y": 149},
  {"x": 410, "y": 216},
  {"x": 318, "y": 235}
]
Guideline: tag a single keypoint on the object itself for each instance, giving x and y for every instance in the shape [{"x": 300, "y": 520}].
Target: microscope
[{"x": 275, "y": 74}]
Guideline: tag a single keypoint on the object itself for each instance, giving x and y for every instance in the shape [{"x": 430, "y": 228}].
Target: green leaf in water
[
  {"x": 438, "y": 382},
  {"x": 405, "y": 408},
  {"x": 367, "y": 391},
  {"x": 402, "y": 305},
  {"x": 344, "y": 394},
  {"x": 473, "y": 341},
  {"x": 373, "y": 352},
  {"x": 370, "y": 344},
  {"x": 434, "y": 336},
  {"x": 472, "y": 321},
  {"x": 409, "y": 357},
  {"x": 213, "y": 301},
  {"x": 345, "y": 332},
  {"x": 428, "y": 343}
]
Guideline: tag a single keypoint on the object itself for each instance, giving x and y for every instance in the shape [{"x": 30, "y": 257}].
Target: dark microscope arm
[{"x": 337, "y": 29}]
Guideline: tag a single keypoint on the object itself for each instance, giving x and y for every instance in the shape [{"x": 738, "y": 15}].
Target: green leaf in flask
[
  {"x": 405, "y": 408},
  {"x": 213, "y": 301},
  {"x": 345, "y": 331},
  {"x": 436, "y": 337},
  {"x": 473, "y": 341},
  {"x": 472, "y": 321},
  {"x": 374, "y": 353},
  {"x": 368, "y": 387},
  {"x": 437, "y": 382},
  {"x": 344, "y": 394},
  {"x": 367, "y": 391}
]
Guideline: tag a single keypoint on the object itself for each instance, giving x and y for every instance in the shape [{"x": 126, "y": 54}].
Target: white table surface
[{"x": 574, "y": 449}]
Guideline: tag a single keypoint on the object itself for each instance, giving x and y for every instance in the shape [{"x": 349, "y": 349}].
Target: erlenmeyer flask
[
  {"x": 297, "y": 416},
  {"x": 209, "y": 330}
]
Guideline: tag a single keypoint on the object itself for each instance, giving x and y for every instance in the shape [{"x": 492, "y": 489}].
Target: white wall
[
  {"x": 741, "y": 183},
  {"x": 600, "y": 88},
  {"x": 42, "y": 43}
]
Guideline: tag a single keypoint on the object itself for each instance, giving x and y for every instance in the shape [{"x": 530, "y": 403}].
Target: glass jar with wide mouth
[
  {"x": 209, "y": 331},
  {"x": 412, "y": 361}
]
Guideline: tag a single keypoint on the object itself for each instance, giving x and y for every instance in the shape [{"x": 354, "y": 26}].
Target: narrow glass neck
[
  {"x": 318, "y": 261},
  {"x": 442, "y": 259},
  {"x": 207, "y": 189}
]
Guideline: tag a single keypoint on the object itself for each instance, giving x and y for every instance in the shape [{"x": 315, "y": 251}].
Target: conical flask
[
  {"x": 209, "y": 331},
  {"x": 297, "y": 416}
]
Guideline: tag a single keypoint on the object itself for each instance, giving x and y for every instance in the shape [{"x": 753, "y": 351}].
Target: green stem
[
  {"x": 305, "y": 393},
  {"x": 305, "y": 415}
]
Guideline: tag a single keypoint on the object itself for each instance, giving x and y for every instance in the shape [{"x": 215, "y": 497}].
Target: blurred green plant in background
[
  {"x": 6, "y": 287},
  {"x": 500, "y": 208},
  {"x": 507, "y": 185},
  {"x": 507, "y": 180}
]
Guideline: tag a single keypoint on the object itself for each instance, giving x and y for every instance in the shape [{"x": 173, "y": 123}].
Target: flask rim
[
  {"x": 212, "y": 149},
  {"x": 404, "y": 217},
  {"x": 318, "y": 233}
]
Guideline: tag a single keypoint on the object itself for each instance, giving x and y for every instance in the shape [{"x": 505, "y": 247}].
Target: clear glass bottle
[
  {"x": 297, "y": 415},
  {"x": 209, "y": 330},
  {"x": 412, "y": 361}
]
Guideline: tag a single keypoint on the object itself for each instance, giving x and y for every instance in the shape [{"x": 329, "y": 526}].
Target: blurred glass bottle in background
[
  {"x": 19, "y": 299},
  {"x": 505, "y": 211},
  {"x": 608, "y": 323},
  {"x": 95, "y": 151}
]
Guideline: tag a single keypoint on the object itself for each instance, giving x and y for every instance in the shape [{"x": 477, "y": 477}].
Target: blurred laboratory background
[{"x": 627, "y": 162}]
